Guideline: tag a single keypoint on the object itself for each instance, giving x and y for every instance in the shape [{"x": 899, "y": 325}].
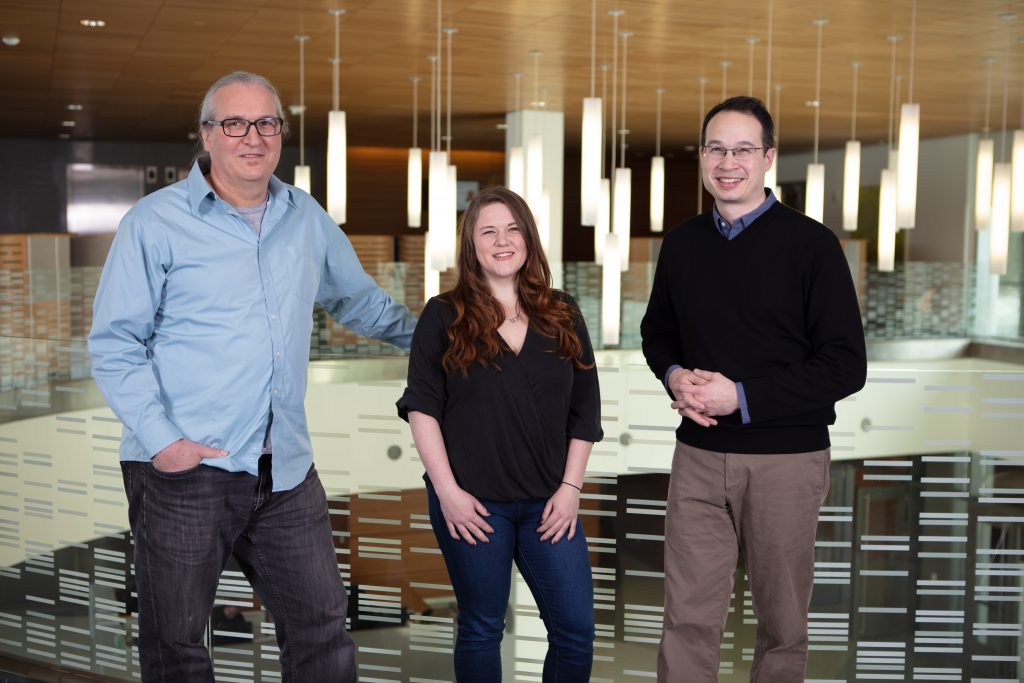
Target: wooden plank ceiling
[{"x": 140, "y": 78}]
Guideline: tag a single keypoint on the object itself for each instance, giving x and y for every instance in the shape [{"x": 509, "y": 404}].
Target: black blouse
[{"x": 506, "y": 425}]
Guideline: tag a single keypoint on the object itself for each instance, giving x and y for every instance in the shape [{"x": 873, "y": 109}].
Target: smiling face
[
  {"x": 737, "y": 186},
  {"x": 499, "y": 244},
  {"x": 240, "y": 168}
]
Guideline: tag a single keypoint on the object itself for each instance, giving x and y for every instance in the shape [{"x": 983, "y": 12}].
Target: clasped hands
[{"x": 702, "y": 395}]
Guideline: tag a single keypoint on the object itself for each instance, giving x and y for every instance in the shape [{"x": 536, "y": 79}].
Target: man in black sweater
[{"x": 753, "y": 327}]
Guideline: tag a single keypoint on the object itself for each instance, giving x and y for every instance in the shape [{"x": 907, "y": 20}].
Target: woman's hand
[
  {"x": 464, "y": 515},
  {"x": 559, "y": 514}
]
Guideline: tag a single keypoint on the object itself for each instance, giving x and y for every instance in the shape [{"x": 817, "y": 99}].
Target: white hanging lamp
[
  {"x": 610, "y": 254},
  {"x": 771, "y": 177},
  {"x": 985, "y": 160},
  {"x": 611, "y": 292},
  {"x": 701, "y": 107},
  {"x": 604, "y": 220},
  {"x": 603, "y": 226},
  {"x": 887, "y": 183},
  {"x": 337, "y": 143},
  {"x": 622, "y": 181},
  {"x": 414, "y": 170},
  {"x": 1002, "y": 179},
  {"x": 999, "y": 225},
  {"x": 451, "y": 211},
  {"x": 302, "y": 179},
  {"x": 535, "y": 154},
  {"x": 909, "y": 143},
  {"x": 887, "y": 221},
  {"x": 658, "y": 172},
  {"x": 590, "y": 140},
  {"x": 1017, "y": 181},
  {"x": 851, "y": 165},
  {"x": 515, "y": 175},
  {"x": 815, "y": 189}
]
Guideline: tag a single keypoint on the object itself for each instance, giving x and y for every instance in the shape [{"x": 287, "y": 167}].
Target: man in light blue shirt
[{"x": 200, "y": 343}]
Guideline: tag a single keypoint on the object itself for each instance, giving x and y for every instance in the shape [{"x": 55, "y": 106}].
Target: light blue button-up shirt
[{"x": 201, "y": 327}]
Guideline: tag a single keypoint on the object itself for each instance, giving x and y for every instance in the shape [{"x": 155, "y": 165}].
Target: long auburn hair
[{"x": 473, "y": 335}]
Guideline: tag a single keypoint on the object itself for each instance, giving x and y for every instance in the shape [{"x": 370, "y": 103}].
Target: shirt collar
[
  {"x": 748, "y": 218},
  {"x": 199, "y": 187}
]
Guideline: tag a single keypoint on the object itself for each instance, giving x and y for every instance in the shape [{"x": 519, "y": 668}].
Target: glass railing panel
[{"x": 920, "y": 549}]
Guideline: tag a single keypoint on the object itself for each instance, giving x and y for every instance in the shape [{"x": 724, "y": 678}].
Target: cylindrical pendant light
[
  {"x": 999, "y": 230},
  {"x": 909, "y": 142},
  {"x": 986, "y": 158},
  {"x": 437, "y": 206},
  {"x": 414, "y": 171},
  {"x": 451, "y": 210},
  {"x": 611, "y": 292},
  {"x": 590, "y": 141},
  {"x": 1017, "y": 185},
  {"x": 604, "y": 220},
  {"x": 815, "y": 199},
  {"x": 657, "y": 172},
  {"x": 887, "y": 221},
  {"x": 703, "y": 83},
  {"x": 983, "y": 184},
  {"x": 814, "y": 192},
  {"x": 534, "y": 173},
  {"x": 771, "y": 176},
  {"x": 302, "y": 179},
  {"x": 516, "y": 180},
  {"x": 622, "y": 182},
  {"x": 450, "y": 216},
  {"x": 337, "y": 138},
  {"x": 851, "y": 185},
  {"x": 851, "y": 165}
]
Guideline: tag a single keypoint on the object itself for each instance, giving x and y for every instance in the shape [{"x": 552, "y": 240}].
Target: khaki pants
[{"x": 720, "y": 504}]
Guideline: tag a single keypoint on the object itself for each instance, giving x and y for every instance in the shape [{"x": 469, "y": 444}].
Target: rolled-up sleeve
[
  {"x": 355, "y": 300},
  {"x": 584, "y": 420},
  {"x": 425, "y": 386}
]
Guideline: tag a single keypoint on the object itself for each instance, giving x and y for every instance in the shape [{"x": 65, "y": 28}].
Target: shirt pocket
[{"x": 300, "y": 274}]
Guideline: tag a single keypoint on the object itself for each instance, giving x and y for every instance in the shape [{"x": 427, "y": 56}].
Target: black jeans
[{"x": 185, "y": 525}]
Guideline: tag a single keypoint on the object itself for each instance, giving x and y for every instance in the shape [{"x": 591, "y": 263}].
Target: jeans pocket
[{"x": 181, "y": 474}]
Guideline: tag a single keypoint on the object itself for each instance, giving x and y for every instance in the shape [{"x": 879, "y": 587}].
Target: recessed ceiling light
[
  {"x": 68, "y": 124},
  {"x": 11, "y": 40},
  {"x": 92, "y": 23},
  {"x": 74, "y": 107}
]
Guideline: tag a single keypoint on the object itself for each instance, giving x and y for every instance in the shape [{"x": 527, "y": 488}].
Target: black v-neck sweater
[
  {"x": 773, "y": 308},
  {"x": 507, "y": 424}
]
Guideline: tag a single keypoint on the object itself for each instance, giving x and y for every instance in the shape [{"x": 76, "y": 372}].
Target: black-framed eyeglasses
[
  {"x": 268, "y": 126},
  {"x": 739, "y": 153}
]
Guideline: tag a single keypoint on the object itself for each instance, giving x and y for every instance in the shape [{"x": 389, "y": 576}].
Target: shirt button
[
  {"x": 278, "y": 354},
  {"x": 276, "y": 392},
  {"x": 273, "y": 316}
]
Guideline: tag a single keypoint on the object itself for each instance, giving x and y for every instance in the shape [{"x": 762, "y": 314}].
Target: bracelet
[{"x": 573, "y": 485}]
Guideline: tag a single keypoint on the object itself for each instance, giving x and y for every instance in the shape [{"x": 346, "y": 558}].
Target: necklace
[{"x": 515, "y": 318}]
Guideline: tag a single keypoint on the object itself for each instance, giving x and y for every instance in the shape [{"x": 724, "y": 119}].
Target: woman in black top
[{"x": 504, "y": 406}]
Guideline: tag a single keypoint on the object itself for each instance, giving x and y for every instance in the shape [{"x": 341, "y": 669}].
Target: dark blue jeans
[
  {"x": 558, "y": 576},
  {"x": 185, "y": 525}
]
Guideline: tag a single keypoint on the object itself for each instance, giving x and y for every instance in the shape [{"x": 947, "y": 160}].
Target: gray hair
[{"x": 206, "y": 112}]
